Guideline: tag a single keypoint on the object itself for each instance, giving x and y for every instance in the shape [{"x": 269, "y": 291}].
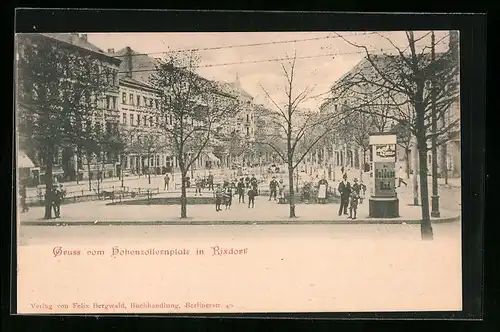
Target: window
[
  {"x": 156, "y": 102},
  {"x": 151, "y": 121},
  {"x": 131, "y": 119},
  {"x": 171, "y": 119},
  {"x": 124, "y": 118},
  {"x": 145, "y": 101},
  {"x": 114, "y": 103},
  {"x": 108, "y": 102},
  {"x": 138, "y": 119},
  {"x": 157, "y": 121},
  {"x": 248, "y": 118},
  {"x": 138, "y": 100},
  {"x": 131, "y": 99},
  {"x": 335, "y": 106},
  {"x": 124, "y": 98},
  {"x": 248, "y": 131}
]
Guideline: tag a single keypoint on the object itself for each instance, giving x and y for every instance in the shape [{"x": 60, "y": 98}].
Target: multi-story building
[
  {"x": 452, "y": 146},
  {"x": 140, "y": 114},
  {"x": 69, "y": 163}
]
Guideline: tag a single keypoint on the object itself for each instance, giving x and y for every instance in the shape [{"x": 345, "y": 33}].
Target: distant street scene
[{"x": 308, "y": 127}]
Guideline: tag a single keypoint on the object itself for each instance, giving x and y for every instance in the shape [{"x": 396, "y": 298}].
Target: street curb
[{"x": 238, "y": 222}]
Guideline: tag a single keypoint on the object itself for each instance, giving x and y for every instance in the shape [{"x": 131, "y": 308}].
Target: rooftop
[
  {"x": 79, "y": 40},
  {"x": 139, "y": 66}
]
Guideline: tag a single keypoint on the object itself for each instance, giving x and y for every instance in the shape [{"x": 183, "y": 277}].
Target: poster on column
[{"x": 385, "y": 179}]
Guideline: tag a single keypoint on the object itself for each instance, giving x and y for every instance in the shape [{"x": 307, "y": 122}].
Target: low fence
[{"x": 102, "y": 193}]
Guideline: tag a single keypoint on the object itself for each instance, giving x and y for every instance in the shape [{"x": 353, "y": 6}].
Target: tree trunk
[
  {"x": 361, "y": 166},
  {"x": 425, "y": 227},
  {"x": 407, "y": 162},
  {"x": 88, "y": 170},
  {"x": 75, "y": 158},
  {"x": 415, "y": 158},
  {"x": 183, "y": 193},
  {"x": 48, "y": 184},
  {"x": 121, "y": 168},
  {"x": 291, "y": 194},
  {"x": 149, "y": 169}
]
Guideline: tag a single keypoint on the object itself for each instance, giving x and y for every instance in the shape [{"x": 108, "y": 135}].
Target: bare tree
[
  {"x": 406, "y": 77},
  {"x": 147, "y": 142},
  {"x": 356, "y": 129},
  {"x": 191, "y": 109},
  {"x": 59, "y": 89},
  {"x": 300, "y": 130}
]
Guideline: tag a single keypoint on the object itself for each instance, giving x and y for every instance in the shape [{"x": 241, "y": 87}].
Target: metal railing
[{"x": 101, "y": 193}]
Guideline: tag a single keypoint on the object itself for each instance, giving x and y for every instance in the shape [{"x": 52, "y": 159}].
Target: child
[
  {"x": 353, "y": 207},
  {"x": 251, "y": 197},
  {"x": 362, "y": 193}
]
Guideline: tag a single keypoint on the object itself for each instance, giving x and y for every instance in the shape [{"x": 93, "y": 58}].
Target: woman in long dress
[{"x": 322, "y": 191}]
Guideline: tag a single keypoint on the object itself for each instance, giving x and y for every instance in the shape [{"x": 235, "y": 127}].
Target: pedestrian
[
  {"x": 241, "y": 191},
  {"x": 273, "y": 185},
  {"x": 401, "y": 175},
  {"x": 24, "y": 204},
  {"x": 251, "y": 197},
  {"x": 322, "y": 189},
  {"x": 167, "y": 181},
  {"x": 353, "y": 207},
  {"x": 254, "y": 184},
  {"x": 218, "y": 198},
  {"x": 58, "y": 195},
  {"x": 281, "y": 192},
  {"x": 210, "y": 181},
  {"x": 247, "y": 181},
  {"x": 345, "y": 192},
  {"x": 198, "y": 186},
  {"x": 228, "y": 197},
  {"x": 362, "y": 192}
]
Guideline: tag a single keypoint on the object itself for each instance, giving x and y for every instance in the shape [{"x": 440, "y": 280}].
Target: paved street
[{"x": 313, "y": 267}]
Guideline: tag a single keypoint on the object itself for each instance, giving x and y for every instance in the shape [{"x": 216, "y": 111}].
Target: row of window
[
  {"x": 138, "y": 100},
  {"x": 144, "y": 120},
  {"x": 152, "y": 121}
]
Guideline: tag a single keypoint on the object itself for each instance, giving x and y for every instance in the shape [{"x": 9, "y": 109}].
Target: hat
[
  {"x": 355, "y": 180},
  {"x": 345, "y": 176}
]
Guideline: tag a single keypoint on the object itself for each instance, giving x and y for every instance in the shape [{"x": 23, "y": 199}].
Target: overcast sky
[{"x": 331, "y": 56}]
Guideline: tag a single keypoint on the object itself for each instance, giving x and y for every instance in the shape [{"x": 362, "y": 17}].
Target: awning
[
  {"x": 23, "y": 161},
  {"x": 212, "y": 157}
]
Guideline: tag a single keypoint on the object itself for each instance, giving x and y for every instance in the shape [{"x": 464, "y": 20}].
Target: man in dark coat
[
  {"x": 210, "y": 181},
  {"x": 345, "y": 192},
  {"x": 241, "y": 191},
  {"x": 273, "y": 186},
  {"x": 254, "y": 183},
  {"x": 251, "y": 197}
]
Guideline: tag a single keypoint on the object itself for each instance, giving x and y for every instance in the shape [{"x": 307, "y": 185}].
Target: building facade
[{"x": 69, "y": 163}]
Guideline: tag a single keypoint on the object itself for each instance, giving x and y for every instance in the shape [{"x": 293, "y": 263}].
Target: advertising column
[{"x": 384, "y": 202}]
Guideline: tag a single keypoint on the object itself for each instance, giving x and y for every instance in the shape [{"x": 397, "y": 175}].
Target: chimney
[
  {"x": 111, "y": 50},
  {"x": 129, "y": 61},
  {"x": 83, "y": 36}
]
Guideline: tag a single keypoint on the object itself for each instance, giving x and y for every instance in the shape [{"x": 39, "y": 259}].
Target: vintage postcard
[{"x": 238, "y": 172}]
